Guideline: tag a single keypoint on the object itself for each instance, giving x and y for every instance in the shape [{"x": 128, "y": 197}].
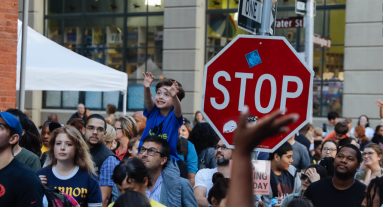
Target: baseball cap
[{"x": 12, "y": 122}]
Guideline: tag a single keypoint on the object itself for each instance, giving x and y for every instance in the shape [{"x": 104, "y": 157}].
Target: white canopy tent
[{"x": 52, "y": 67}]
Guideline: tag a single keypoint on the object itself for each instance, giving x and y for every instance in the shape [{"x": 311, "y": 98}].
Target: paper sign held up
[{"x": 261, "y": 177}]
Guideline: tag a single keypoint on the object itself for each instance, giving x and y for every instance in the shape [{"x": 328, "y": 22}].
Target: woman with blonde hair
[
  {"x": 371, "y": 166},
  {"x": 126, "y": 128},
  {"x": 110, "y": 137},
  {"x": 71, "y": 170}
]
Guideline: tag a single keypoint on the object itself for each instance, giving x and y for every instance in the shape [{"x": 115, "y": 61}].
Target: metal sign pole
[
  {"x": 266, "y": 14},
  {"x": 309, "y": 43},
  {"x": 23, "y": 55}
]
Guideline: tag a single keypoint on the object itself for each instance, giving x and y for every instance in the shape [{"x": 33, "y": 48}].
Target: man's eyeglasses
[
  {"x": 368, "y": 154},
  {"x": 223, "y": 147},
  {"x": 305, "y": 177},
  {"x": 151, "y": 151},
  {"x": 329, "y": 149},
  {"x": 99, "y": 129}
]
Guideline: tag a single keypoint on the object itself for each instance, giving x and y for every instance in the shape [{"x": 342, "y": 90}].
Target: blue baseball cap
[{"x": 12, "y": 122}]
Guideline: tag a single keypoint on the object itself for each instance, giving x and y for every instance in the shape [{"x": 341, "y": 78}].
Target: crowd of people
[{"x": 159, "y": 158}]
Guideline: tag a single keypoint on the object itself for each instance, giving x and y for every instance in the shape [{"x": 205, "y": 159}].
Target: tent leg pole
[
  {"x": 23, "y": 55},
  {"x": 124, "y": 103}
]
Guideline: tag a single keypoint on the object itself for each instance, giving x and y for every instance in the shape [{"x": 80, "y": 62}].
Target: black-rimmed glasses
[{"x": 151, "y": 151}]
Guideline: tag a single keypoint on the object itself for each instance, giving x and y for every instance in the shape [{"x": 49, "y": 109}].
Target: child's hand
[
  {"x": 379, "y": 103},
  {"x": 148, "y": 79},
  {"x": 172, "y": 90}
]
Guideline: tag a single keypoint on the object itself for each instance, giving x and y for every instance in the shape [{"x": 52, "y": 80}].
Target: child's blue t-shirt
[
  {"x": 163, "y": 126},
  {"x": 79, "y": 184}
]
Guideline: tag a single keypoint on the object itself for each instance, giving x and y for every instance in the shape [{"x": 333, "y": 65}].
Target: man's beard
[
  {"x": 343, "y": 176},
  {"x": 92, "y": 143},
  {"x": 222, "y": 161}
]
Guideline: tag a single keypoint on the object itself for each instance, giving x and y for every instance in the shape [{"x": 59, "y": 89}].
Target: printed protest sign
[{"x": 261, "y": 177}]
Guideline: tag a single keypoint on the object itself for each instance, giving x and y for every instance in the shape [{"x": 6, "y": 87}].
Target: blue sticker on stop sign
[{"x": 253, "y": 58}]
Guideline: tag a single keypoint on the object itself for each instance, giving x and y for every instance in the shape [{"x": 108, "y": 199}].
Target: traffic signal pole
[
  {"x": 309, "y": 38},
  {"x": 266, "y": 14}
]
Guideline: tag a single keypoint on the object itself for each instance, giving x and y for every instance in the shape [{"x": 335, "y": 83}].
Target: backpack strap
[
  {"x": 185, "y": 148},
  {"x": 202, "y": 165}
]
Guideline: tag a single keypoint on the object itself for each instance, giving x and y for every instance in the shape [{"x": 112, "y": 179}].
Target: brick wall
[{"x": 8, "y": 53}]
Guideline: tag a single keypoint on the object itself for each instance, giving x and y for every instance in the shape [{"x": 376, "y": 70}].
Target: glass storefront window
[
  {"x": 93, "y": 100},
  {"x": 135, "y": 62},
  {"x": 72, "y": 6},
  {"x": 52, "y": 99},
  {"x": 337, "y": 26},
  {"x": 113, "y": 58},
  {"x": 54, "y": 6},
  {"x": 155, "y": 31},
  {"x": 102, "y": 6},
  {"x": 136, "y": 32},
  {"x": 155, "y": 5},
  {"x": 334, "y": 2},
  {"x": 70, "y": 99},
  {"x": 217, "y": 4},
  {"x": 211, "y": 52},
  {"x": 137, "y": 6},
  {"x": 54, "y": 30},
  {"x": 101, "y": 37},
  {"x": 72, "y": 34}
]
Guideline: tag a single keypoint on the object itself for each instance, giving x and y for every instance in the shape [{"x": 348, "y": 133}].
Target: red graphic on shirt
[{"x": 2, "y": 190}]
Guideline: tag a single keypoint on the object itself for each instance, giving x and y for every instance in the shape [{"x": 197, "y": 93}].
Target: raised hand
[
  {"x": 148, "y": 79},
  {"x": 247, "y": 136},
  {"x": 312, "y": 174},
  {"x": 379, "y": 103},
  {"x": 172, "y": 90}
]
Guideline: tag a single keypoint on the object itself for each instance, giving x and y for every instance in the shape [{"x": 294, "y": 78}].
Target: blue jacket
[{"x": 176, "y": 191}]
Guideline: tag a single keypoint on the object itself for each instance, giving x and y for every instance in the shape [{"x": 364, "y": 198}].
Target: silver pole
[
  {"x": 124, "y": 103},
  {"x": 23, "y": 55},
  {"x": 266, "y": 14},
  {"x": 309, "y": 43}
]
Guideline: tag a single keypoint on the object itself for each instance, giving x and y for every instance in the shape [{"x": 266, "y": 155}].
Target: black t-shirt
[
  {"x": 323, "y": 194},
  {"x": 281, "y": 185},
  {"x": 20, "y": 186}
]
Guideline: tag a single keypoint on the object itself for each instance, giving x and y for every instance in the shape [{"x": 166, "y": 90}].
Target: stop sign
[{"x": 263, "y": 72}]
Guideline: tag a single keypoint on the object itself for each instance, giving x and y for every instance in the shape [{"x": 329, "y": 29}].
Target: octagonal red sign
[{"x": 264, "y": 73}]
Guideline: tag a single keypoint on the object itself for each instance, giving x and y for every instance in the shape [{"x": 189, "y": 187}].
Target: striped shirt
[{"x": 155, "y": 194}]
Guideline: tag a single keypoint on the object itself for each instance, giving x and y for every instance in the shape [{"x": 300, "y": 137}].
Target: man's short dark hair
[
  {"x": 165, "y": 147},
  {"x": 24, "y": 120},
  {"x": 282, "y": 150},
  {"x": 133, "y": 169},
  {"x": 332, "y": 115},
  {"x": 344, "y": 141},
  {"x": 358, "y": 153},
  {"x": 95, "y": 116},
  {"x": 341, "y": 128},
  {"x": 169, "y": 82}
]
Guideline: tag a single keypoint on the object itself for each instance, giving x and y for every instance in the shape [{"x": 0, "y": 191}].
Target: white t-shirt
[{"x": 204, "y": 178}]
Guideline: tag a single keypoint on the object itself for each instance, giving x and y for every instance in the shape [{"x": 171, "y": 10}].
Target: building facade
[{"x": 175, "y": 38}]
